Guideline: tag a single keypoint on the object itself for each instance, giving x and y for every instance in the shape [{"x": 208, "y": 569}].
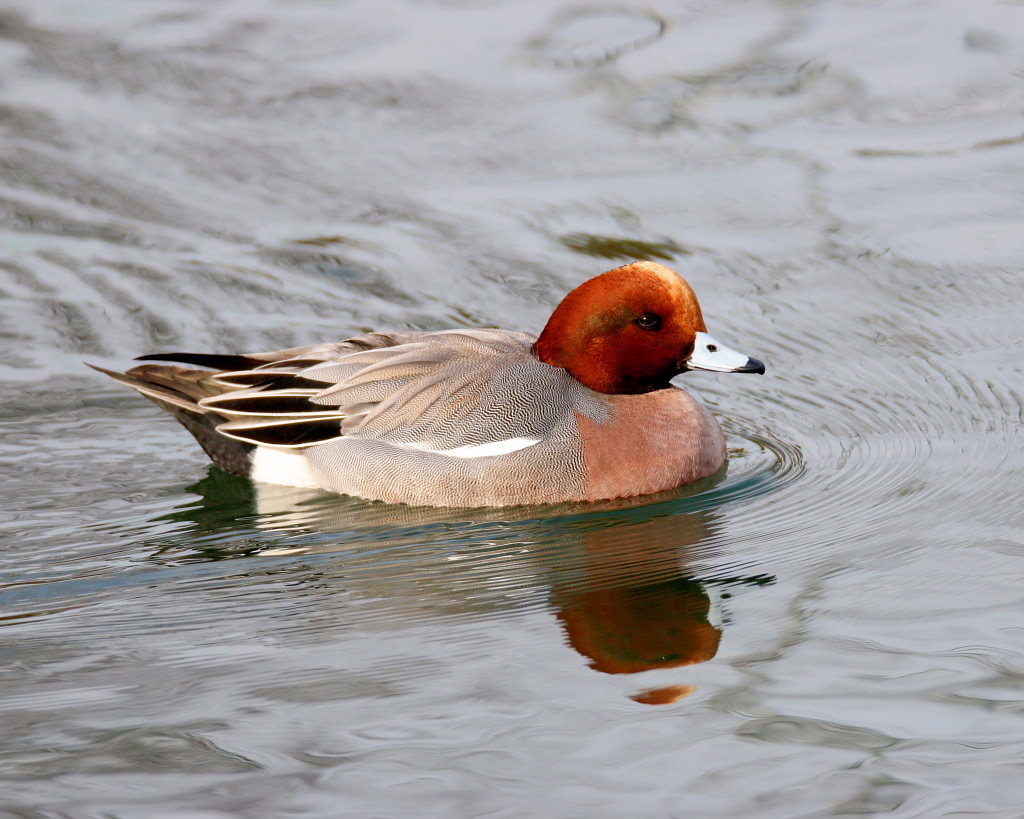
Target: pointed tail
[{"x": 178, "y": 391}]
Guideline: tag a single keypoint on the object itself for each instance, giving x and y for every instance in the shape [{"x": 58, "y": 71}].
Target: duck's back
[{"x": 457, "y": 418}]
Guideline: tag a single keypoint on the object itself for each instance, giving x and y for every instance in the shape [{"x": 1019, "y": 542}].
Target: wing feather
[
  {"x": 268, "y": 404},
  {"x": 463, "y": 392},
  {"x": 287, "y": 433}
]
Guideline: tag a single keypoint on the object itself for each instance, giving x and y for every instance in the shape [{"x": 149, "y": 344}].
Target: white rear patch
[
  {"x": 480, "y": 450},
  {"x": 281, "y": 466}
]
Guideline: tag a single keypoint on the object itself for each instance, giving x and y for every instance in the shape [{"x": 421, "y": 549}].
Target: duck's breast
[{"x": 649, "y": 443}]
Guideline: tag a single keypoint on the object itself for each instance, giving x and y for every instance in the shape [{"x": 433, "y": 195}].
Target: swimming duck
[{"x": 589, "y": 410}]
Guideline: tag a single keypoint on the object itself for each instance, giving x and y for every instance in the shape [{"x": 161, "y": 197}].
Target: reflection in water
[
  {"x": 637, "y": 607},
  {"x": 623, "y": 589},
  {"x": 637, "y": 628}
]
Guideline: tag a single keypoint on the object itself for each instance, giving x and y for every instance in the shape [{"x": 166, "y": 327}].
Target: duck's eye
[{"x": 649, "y": 321}]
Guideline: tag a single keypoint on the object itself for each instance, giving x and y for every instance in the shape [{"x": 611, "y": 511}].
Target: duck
[{"x": 590, "y": 409}]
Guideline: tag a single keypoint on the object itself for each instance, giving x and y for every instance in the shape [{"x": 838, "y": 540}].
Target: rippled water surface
[{"x": 831, "y": 627}]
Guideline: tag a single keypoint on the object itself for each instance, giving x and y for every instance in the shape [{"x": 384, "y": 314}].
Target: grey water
[{"x": 832, "y": 627}]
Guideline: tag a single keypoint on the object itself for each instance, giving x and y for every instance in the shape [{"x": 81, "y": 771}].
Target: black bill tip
[{"x": 753, "y": 365}]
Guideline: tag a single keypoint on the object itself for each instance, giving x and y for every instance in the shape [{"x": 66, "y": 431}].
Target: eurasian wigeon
[{"x": 589, "y": 410}]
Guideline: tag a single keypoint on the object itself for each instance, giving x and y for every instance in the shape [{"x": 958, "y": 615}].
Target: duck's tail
[{"x": 178, "y": 390}]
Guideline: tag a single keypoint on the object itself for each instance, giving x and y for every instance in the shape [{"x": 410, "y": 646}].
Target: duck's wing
[
  {"x": 463, "y": 393},
  {"x": 184, "y": 391}
]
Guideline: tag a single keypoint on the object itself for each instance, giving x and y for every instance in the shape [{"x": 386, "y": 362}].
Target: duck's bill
[{"x": 710, "y": 354}]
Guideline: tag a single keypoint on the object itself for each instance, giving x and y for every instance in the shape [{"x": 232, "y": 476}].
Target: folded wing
[{"x": 462, "y": 393}]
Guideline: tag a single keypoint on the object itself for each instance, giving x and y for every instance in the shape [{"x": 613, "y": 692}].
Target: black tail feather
[{"x": 211, "y": 360}]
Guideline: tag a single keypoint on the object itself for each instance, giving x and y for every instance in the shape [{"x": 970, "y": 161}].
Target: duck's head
[{"x": 632, "y": 330}]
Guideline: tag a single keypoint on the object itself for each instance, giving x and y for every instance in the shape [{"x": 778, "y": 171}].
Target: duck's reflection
[
  {"x": 639, "y": 628},
  {"x": 620, "y": 577},
  {"x": 635, "y": 607}
]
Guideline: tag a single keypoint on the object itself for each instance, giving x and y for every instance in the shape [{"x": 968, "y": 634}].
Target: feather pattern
[
  {"x": 464, "y": 417},
  {"x": 435, "y": 392}
]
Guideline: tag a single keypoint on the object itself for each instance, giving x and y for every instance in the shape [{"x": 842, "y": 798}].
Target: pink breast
[{"x": 651, "y": 443}]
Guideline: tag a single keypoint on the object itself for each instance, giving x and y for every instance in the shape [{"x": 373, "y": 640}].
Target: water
[{"x": 832, "y": 627}]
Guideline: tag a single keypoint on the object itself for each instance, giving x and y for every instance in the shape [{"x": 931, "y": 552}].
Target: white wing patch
[
  {"x": 480, "y": 450},
  {"x": 286, "y": 467}
]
